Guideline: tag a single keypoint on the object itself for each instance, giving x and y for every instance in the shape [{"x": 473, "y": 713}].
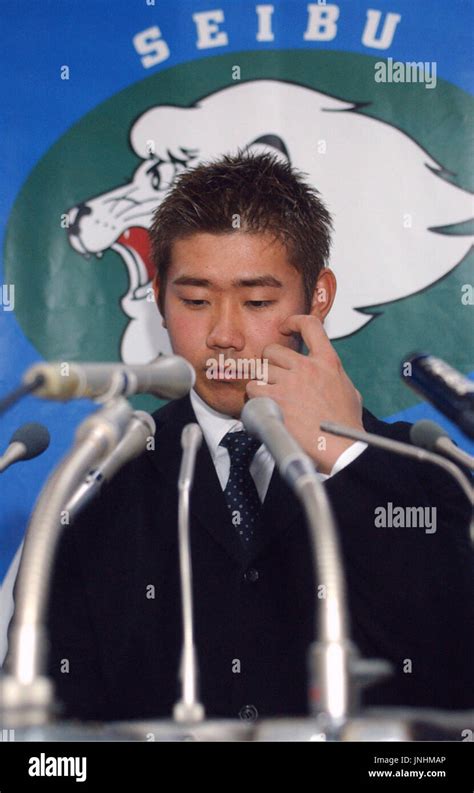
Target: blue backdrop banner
[{"x": 104, "y": 102}]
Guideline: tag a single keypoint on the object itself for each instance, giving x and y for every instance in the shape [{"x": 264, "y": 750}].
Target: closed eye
[
  {"x": 188, "y": 302},
  {"x": 257, "y": 304}
]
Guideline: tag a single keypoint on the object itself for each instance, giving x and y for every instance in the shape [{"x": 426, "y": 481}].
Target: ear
[
  {"x": 324, "y": 294},
  {"x": 156, "y": 291}
]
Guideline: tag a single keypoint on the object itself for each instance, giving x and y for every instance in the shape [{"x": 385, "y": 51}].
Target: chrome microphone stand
[
  {"x": 140, "y": 429},
  {"x": 25, "y": 693},
  {"x": 336, "y": 671},
  {"x": 407, "y": 450},
  {"x": 188, "y": 709}
]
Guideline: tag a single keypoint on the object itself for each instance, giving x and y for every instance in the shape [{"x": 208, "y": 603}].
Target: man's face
[{"x": 226, "y": 295}]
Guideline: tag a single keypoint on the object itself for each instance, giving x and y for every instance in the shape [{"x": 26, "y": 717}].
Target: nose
[
  {"x": 75, "y": 215},
  {"x": 226, "y": 331}
]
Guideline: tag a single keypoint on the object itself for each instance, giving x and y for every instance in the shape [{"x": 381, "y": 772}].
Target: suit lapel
[
  {"x": 280, "y": 508},
  {"x": 207, "y": 502}
]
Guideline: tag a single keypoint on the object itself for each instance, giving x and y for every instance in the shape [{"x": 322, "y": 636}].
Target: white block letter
[
  {"x": 208, "y": 31},
  {"x": 149, "y": 44},
  {"x": 370, "y": 31},
  {"x": 321, "y": 22},
  {"x": 265, "y": 23}
]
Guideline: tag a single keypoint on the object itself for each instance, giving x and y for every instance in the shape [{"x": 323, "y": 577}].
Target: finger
[
  {"x": 275, "y": 374},
  {"x": 312, "y": 332},
  {"x": 256, "y": 388},
  {"x": 281, "y": 356}
]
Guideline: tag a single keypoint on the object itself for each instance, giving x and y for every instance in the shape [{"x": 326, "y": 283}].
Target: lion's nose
[{"x": 75, "y": 216}]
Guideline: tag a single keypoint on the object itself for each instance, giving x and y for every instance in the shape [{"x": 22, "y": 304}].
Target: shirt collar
[{"x": 214, "y": 425}]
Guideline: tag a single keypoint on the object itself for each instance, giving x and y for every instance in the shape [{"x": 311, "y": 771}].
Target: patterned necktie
[{"x": 240, "y": 492}]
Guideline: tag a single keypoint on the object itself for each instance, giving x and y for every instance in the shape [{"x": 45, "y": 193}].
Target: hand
[{"x": 310, "y": 389}]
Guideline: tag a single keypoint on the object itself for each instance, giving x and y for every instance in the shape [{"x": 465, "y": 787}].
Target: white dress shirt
[{"x": 215, "y": 425}]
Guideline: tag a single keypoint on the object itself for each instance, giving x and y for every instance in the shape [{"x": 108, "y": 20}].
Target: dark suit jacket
[{"x": 115, "y": 601}]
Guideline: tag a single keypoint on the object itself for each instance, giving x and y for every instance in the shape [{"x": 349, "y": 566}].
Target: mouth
[
  {"x": 223, "y": 378},
  {"x": 136, "y": 241},
  {"x": 227, "y": 380}
]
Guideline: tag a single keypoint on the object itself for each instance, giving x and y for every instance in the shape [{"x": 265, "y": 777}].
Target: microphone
[
  {"x": 18, "y": 393},
  {"x": 27, "y": 696},
  {"x": 263, "y": 419},
  {"x": 27, "y": 442},
  {"x": 133, "y": 443},
  {"x": 336, "y": 671},
  {"x": 168, "y": 377},
  {"x": 430, "y": 436},
  {"x": 188, "y": 708},
  {"x": 404, "y": 449},
  {"x": 444, "y": 387}
]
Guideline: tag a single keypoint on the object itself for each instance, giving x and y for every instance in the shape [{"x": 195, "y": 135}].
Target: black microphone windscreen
[{"x": 34, "y": 436}]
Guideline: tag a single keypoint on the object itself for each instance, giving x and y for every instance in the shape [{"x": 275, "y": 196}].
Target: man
[{"x": 241, "y": 248}]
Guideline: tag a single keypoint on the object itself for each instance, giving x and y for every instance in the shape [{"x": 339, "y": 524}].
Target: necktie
[{"x": 240, "y": 492}]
